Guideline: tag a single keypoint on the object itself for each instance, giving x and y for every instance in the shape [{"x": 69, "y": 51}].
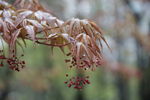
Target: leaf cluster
[{"x": 28, "y": 20}]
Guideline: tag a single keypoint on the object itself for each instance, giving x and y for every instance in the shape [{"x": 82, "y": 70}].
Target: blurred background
[{"x": 126, "y": 76}]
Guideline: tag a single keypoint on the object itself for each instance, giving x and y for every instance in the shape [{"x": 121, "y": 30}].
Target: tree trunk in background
[
  {"x": 122, "y": 89},
  {"x": 143, "y": 61},
  {"x": 121, "y": 83}
]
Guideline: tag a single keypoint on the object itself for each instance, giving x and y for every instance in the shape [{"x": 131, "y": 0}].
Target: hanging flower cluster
[
  {"x": 14, "y": 62},
  {"x": 28, "y": 20},
  {"x": 77, "y": 82}
]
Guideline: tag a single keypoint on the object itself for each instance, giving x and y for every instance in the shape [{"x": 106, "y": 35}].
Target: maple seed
[
  {"x": 23, "y": 62},
  {"x": 2, "y": 57},
  {"x": 67, "y": 60},
  {"x": 69, "y": 85},
  {"x": 66, "y": 75},
  {"x": 68, "y": 54},
  {"x": 13, "y": 51},
  {"x": 1, "y": 64},
  {"x": 65, "y": 82},
  {"x": 70, "y": 66},
  {"x": 22, "y": 55}
]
